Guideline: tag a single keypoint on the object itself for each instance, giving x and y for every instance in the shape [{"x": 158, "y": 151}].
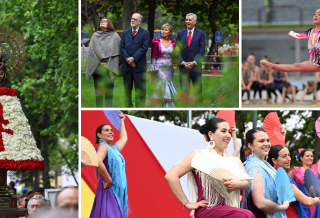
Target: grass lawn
[{"x": 88, "y": 99}]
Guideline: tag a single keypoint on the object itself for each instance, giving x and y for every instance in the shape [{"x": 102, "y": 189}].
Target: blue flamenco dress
[
  {"x": 253, "y": 165},
  {"x": 112, "y": 202}
]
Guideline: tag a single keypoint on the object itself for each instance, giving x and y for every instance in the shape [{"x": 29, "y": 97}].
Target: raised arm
[
  {"x": 261, "y": 202},
  {"x": 123, "y": 137},
  {"x": 298, "y": 35},
  {"x": 102, "y": 170},
  {"x": 235, "y": 141},
  {"x": 173, "y": 178}
]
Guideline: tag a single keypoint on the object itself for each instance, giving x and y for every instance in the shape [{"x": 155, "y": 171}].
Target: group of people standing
[
  {"x": 217, "y": 198},
  {"x": 110, "y": 56},
  {"x": 213, "y": 197}
]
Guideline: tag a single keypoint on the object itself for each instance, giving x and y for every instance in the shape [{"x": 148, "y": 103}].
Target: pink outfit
[
  {"x": 313, "y": 37},
  {"x": 156, "y": 47},
  {"x": 298, "y": 176}
]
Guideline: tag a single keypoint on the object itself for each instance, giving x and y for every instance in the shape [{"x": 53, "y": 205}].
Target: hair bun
[{"x": 202, "y": 129}]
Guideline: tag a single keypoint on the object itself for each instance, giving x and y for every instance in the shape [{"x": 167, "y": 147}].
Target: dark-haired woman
[
  {"x": 261, "y": 197},
  {"x": 213, "y": 198},
  {"x": 111, "y": 194},
  {"x": 279, "y": 156},
  {"x": 103, "y": 61},
  {"x": 297, "y": 174}
]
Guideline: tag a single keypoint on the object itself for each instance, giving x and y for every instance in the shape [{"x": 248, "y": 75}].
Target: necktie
[
  {"x": 134, "y": 33},
  {"x": 189, "y": 38}
]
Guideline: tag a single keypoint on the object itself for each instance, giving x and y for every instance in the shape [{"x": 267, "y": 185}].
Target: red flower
[
  {"x": 22, "y": 164},
  {"x": 8, "y": 91},
  {"x": 247, "y": 152},
  {"x": 4, "y": 122}
]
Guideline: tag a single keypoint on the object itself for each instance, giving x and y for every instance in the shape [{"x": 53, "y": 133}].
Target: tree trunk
[
  {"x": 213, "y": 27},
  {"x": 316, "y": 114},
  {"x": 152, "y": 12},
  {"x": 129, "y": 8},
  {"x": 45, "y": 147},
  {"x": 36, "y": 183},
  {"x": 94, "y": 15},
  {"x": 68, "y": 164}
]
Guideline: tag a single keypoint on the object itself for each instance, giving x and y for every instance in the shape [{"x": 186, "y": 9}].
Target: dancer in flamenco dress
[
  {"x": 305, "y": 156},
  {"x": 313, "y": 36},
  {"x": 164, "y": 89},
  {"x": 111, "y": 194}
]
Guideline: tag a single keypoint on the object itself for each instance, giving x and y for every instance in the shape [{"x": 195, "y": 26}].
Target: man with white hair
[
  {"x": 35, "y": 203},
  {"x": 193, "y": 49},
  {"x": 134, "y": 46}
]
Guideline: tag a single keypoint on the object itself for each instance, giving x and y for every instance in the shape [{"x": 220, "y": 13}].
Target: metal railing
[{"x": 216, "y": 64}]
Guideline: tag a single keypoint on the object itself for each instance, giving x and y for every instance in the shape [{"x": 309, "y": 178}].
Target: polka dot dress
[{"x": 165, "y": 87}]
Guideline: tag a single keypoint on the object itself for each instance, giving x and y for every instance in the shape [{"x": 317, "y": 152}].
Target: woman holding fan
[
  {"x": 261, "y": 196},
  {"x": 215, "y": 198},
  {"x": 305, "y": 156},
  {"x": 111, "y": 194},
  {"x": 279, "y": 156}
]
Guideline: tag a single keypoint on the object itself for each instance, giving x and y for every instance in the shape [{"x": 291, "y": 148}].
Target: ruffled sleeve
[
  {"x": 155, "y": 53},
  {"x": 153, "y": 68}
]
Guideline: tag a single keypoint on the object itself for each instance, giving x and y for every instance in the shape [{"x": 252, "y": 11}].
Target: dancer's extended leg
[{"x": 307, "y": 66}]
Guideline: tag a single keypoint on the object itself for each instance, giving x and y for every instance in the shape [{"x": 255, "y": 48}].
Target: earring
[
  {"x": 211, "y": 144},
  {"x": 252, "y": 152},
  {"x": 100, "y": 140},
  {"x": 276, "y": 167}
]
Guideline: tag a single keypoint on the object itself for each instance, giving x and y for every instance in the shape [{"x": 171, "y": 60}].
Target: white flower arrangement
[{"x": 21, "y": 145}]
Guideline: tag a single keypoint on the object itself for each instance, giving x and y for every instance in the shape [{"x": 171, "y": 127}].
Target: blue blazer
[
  {"x": 196, "y": 49},
  {"x": 137, "y": 49}
]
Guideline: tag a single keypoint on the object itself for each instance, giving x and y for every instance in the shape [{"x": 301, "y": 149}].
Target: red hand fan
[
  {"x": 317, "y": 125},
  {"x": 272, "y": 126},
  {"x": 228, "y": 116}
]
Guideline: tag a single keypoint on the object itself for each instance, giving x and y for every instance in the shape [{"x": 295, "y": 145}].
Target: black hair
[
  {"x": 99, "y": 130},
  {"x": 274, "y": 153},
  {"x": 250, "y": 135},
  {"x": 211, "y": 125},
  {"x": 303, "y": 153}
]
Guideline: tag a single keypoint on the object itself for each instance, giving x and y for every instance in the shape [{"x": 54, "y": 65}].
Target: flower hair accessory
[
  {"x": 96, "y": 137},
  {"x": 245, "y": 132},
  {"x": 212, "y": 116},
  {"x": 298, "y": 154}
]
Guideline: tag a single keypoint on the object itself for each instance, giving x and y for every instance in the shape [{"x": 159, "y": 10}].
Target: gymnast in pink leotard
[{"x": 313, "y": 36}]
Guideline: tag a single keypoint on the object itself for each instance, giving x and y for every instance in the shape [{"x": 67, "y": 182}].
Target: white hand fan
[
  {"x": 218, "y": 167},
  {"x": 88, "y": 153}
]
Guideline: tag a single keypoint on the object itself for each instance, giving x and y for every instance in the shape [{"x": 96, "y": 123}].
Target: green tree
[{"x": 48, "y": 85}]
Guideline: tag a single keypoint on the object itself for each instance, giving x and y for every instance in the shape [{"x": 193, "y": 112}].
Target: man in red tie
[
  {"x": 193, "y": 49},
  {"x": 134, "y": 46}
]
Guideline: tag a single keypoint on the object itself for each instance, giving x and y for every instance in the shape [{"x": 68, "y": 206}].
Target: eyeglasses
[
  {"x": 104, "y": 21},
  {"x": 33, "y": 206}
]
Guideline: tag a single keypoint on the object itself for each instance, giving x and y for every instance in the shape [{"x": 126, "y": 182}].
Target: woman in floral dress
[{"x": 164, "y": 90}]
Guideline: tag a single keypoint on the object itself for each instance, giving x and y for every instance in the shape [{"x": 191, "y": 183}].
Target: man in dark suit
[
  {"x": 193, "y": 49},
  {"x": 133, "y": 46}
]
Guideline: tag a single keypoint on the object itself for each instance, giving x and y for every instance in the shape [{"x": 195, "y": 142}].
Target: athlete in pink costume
[{"x": 313, "y": 65}]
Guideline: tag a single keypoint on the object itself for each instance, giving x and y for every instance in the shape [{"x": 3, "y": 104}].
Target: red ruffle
[
  {"x": 22, "y": 164},
  {"x": 8, "y": 91}
]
